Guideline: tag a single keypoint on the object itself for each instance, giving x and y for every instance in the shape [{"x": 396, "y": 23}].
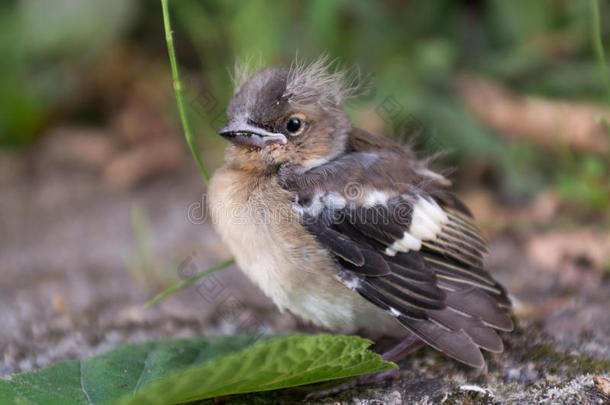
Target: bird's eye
[{"x": 293, "y": 125}]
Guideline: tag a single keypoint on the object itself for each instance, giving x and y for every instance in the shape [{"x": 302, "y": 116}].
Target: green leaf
[{"x": 182, "y": 370}]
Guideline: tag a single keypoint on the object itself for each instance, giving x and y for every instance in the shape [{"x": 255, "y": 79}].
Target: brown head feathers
[{"x": 288, "y": 114}]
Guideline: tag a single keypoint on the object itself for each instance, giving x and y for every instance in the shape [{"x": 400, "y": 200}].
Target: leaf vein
[
  {"x": 82, "y": 381},
  {"x": 144, "y": 368}
]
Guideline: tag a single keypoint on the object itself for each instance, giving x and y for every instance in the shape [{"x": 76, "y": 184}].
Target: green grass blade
[
  {"x": 178, "y": 91},
  {"x": 192, "y": 146},
  {"x": 186, "y": 283},
  {"x": 598, "y": 46}
]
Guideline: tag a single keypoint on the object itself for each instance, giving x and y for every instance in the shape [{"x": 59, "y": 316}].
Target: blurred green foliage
[
  {"x": 584, "y": 180},
  {"x": 46, "y": 49},
  {"x": 412, "y": 51}
]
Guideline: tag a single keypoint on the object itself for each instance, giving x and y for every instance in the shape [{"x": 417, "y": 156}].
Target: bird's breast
[{"x": 254, "y": 217}]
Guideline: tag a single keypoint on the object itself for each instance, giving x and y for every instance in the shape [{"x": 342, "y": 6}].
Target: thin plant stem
[
  {"x": 598, "y": 46},
  {"x": 188, "y": 282},
  {"x": 178, "y": 90},
  {"x": 191, "y": 143}
]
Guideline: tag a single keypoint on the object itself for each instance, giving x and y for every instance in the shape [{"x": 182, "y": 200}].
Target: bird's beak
[{"x": 243, "y": 133}]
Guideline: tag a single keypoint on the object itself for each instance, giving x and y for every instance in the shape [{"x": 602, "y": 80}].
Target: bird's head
[{"x": 293, "y": 114}]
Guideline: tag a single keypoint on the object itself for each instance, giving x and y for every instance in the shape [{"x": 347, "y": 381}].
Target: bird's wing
[{"x": 416, "y": 256}]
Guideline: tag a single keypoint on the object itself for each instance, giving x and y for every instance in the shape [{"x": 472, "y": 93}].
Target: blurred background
[{"x": 102, "y": 206}]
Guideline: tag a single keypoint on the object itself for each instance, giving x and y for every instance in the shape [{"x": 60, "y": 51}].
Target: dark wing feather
[
  {"x": 417, "y": 256},
  {"x": 480, "y": 305},
  {"x": 482, "y": 335},
  {"x": 454, "y": 343},
  {"x": 340, "y": 245}
]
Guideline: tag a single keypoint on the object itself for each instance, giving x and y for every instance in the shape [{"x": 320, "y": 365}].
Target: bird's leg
[
  {"x": 404, "y": 348},
  {"x": 407, "y": 346}
]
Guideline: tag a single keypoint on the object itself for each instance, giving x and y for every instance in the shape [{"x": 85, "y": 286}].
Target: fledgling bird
[{"x": 348, "y": 229}]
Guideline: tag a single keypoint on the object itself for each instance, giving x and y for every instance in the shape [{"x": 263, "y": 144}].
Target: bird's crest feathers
[
  {"x": 243, "y": 70},
  {"x": 317, "y": 81}
]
